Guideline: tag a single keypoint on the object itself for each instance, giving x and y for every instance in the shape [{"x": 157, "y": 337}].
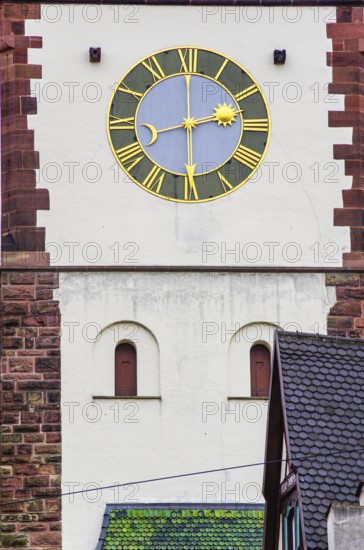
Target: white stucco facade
[
  {"x": 283, "y": 216},
  {"x": 191, "y": 425}
]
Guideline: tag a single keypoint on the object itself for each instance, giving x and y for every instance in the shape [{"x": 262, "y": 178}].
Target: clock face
[{"x": 188, "y": 124}]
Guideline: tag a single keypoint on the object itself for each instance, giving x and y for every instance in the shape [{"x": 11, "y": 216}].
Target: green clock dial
[{"x": 188, "y": 124}]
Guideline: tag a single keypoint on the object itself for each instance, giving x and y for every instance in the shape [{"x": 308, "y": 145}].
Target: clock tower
[{"x": 169, "y": 177}]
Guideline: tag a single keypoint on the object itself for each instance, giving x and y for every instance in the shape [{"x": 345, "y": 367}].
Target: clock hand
[
  {"x": 190, "y": 186},
  {"x": 194, "y": 121}
]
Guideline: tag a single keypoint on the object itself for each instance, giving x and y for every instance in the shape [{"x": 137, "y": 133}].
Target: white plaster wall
[
  {"x": 121, "y": 441},
  {"x": 293, "y": 195}
]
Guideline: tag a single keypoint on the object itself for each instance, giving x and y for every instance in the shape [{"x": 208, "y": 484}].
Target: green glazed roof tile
[{"x": 180, "y": 529}]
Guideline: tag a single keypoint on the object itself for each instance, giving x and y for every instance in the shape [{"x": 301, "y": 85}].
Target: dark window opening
[
  {"x": 259, "y": 371},
  {"x": 125, "y": 370}
]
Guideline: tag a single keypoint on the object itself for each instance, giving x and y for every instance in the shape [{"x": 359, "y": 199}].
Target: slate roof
[
  {"x": 323, "y": 381},
  {"x": 181, "y": 527}
]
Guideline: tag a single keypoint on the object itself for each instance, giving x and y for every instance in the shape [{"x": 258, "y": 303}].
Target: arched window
[
  {"x": 259, "y": 370},
  {"x": 125, "y": 370}
]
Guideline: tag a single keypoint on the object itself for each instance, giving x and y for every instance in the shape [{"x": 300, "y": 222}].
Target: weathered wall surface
[{"x": 193, "y": 317}]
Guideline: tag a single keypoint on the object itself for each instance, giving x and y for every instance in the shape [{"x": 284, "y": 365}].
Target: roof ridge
[{"x": 318, "y": 336}]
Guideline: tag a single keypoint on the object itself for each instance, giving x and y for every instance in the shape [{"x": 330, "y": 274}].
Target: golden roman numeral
[
  {"x": 247, "y": 156},
  {"x": 153, "y": 67},
  {"x": 151, "y": 180},
  {"x": 122, "y": 123},
  {"x": 190, "y": 186},
  {"x": 188, "y": 59},
  {"x": 128, "y": 153},
  {"x": 125, "y": 88},
  {"x": 256, "y": 124},
  {"x": 224, "y": 182},
  {"x": 253, "y": 89},
  {"x": 221, "y": 69}
]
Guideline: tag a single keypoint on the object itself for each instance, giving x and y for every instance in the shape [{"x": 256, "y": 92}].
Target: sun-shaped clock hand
[{"x": 224, "y": 115}]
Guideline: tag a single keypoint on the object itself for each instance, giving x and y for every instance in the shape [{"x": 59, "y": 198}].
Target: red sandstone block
[
  {"x": 18, "y": 27},
  {"x": 16, "y": 308},
  {"x": 353, "y": 198},
  {"x": 354, "y": 103},
  {"x": 20, "y": 55},
  {"x": 347, "y": 151},
  {"x": 18, "y": 367},
  {"x": 18, "y": 292},
  {"x": 23, "y": 140},
  {"x": 354, "y": 168},
  {"x": 32, "y": 385},
  {"x": 31, "y": 417},
  {"x": 28, "y": 332},
  {"x": 357, "y": 239},
  {"x": 18, "y": 12},
  {"x": 47, "y": 278},
  {"x": 359, "y": 323},
  {"x": 15, "y": 88},
  {"x": 29, "y": 105},
  {"x": 37, "y": 481},
  {"x": 26, "y": 428},
  {"x": 17, "y": 278},
  {"x": 50, "y": 516},
  {"x": 44, "y": 294},
  {"x": 34, "y": 321},
  {"x": 48, "y": 449},
  {"x": 29, "y": 238},
  {"x": 24, "y": 449},
  {"x": 349, "y": 308},
  {"x": 10, "y": 418},
  {"x": 338, "y": 45},
  {"x": 349, "y": 216},
  {"x": 21, "y": 71},
  {"x": 46, "y": 342},
  {"x": 344, "y": 59},
  {"x": 49, "y": 331},
  {"x": 357, "y": 15},
  {"x": 30, "y": 353},
  {"x": 36, "y": 42},
  {"x": 53, "y": 437},
  {"x": 11, "y": 124},
  {"x": 21, "y": 219},
  {"x": 345, "y": 30},
  {"x": 34, "y": 438},
  {"x": 353, "y": 259},
  {"x": 10, "y": 342},
  {"x": 47, "y": 364},
  {"x": 9, "y": 108},
  {"x": 51, "y": 416},
  {"x": 16, "y": 122},
  {"x": 343, "y": 15},
  {"x": 45, "y": 307},
  {"x": 339, "y": 322},
  {"x": 26, "y": 469},
  {"x": 32, "y": 527},
  {"x": 18, "y": 160},
  {"x": 346, "y": 75},
  {"x": 5, "y": 27},
  {"x": 344, "y": 118},
  {"x": 344, "y": 88},
  {"x": 352, "y": 46}
]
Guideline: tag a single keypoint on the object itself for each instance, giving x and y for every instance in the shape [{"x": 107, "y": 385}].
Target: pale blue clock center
[{"x": 165, "y": 105}]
